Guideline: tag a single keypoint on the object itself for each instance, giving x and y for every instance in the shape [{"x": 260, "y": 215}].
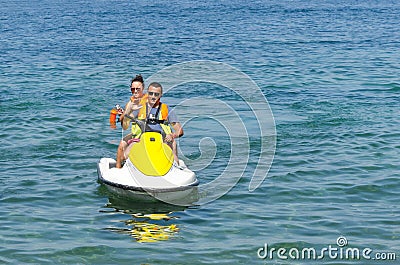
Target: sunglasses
[
  {"x": 156, "y": 94},
  {"x": 134, "y": 89}
]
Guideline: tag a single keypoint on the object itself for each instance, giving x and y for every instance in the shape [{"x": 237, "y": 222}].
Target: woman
[{"x": 136, "y": 101}]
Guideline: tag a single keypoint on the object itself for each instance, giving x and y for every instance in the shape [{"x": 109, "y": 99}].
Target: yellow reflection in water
[
  {"x": 144, "y": 231},
  {"x": 148, "y": 221}
]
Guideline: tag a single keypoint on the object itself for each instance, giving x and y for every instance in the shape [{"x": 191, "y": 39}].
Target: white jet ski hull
[{"x": 177, "y": 186}]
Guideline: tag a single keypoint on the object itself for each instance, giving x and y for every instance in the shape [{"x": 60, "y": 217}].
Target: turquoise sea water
[{"x": 329, "y": 69}]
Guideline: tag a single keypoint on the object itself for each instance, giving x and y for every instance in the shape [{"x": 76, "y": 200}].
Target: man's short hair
[{"x": 155, "y": 84}]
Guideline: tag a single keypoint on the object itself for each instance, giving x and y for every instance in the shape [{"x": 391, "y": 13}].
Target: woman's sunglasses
[{"x": 134, "y": 89}]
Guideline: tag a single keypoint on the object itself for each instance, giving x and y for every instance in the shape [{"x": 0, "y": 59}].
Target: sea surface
[{"x": 329, "y": 70}]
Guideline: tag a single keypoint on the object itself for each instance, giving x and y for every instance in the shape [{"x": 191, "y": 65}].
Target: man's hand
[{"x": 169, "y": 137}]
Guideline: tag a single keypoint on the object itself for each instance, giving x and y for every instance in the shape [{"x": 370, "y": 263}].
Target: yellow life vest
[
  {"x": 162, "y": 119},
  {"x": 143, "y": 100}
]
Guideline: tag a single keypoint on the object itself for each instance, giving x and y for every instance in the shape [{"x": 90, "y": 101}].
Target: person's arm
[
  {"x": 121, "y": 118},
  {"x": 132, "y": 106},
  {"x": 176, "y": 126},
  {"x": 178, "y": 130}
]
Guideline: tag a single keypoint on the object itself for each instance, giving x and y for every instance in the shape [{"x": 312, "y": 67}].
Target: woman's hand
[{"x": 130, "y": 107}]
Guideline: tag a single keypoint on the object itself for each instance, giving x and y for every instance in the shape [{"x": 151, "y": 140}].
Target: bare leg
[
  {"x": 120, "y": 153},
  {"x": 175, "y": 151},
  {"x": 127, "y": 151}
]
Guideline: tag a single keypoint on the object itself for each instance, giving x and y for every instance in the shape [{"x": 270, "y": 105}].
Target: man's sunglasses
[{"x": 156, "y": 94}]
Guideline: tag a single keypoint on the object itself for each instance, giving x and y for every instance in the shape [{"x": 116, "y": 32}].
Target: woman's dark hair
[{"x": 138, "y": 78}]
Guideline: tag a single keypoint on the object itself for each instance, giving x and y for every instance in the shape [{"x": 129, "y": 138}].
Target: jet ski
[{"x": 150, "y": 173}]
